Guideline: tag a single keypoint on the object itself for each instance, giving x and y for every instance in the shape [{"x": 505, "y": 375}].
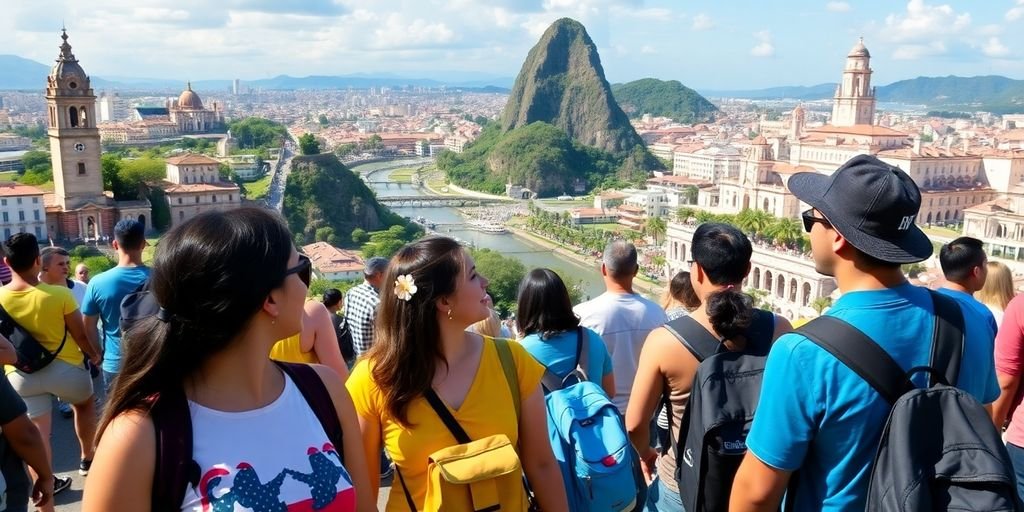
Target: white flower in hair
[{"x": 405, "y": 287}]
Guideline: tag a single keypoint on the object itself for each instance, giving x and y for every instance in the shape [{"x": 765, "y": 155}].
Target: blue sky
[{"x": 704, "y": 44}]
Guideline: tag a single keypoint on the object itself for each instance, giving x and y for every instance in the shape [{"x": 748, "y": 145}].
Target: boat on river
[{"x": 487, "y": 226}]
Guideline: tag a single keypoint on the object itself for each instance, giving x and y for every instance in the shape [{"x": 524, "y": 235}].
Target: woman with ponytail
[
  {"x": 229, "y": 284},
  {"x": 721, "y": 260}
]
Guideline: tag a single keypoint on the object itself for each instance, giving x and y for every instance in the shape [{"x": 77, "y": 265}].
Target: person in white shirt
[{"x": 621, "y": 317}]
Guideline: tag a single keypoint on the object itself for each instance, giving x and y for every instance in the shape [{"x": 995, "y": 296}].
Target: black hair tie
[{"x": 163, "y": 315}]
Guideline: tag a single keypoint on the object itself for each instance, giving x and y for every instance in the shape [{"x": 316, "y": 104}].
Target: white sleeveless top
[{"x": 276, "y": 458}]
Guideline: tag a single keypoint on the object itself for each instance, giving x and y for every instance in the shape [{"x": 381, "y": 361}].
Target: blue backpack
[{"x": 600, "y": 469}]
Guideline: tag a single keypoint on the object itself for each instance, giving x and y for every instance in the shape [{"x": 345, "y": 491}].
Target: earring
[
  {"x": 273, "y": 321},
  {"x": 449, "y": 313}
]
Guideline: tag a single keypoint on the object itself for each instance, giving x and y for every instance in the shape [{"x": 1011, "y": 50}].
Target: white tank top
[{"x": 276, "y": 458}]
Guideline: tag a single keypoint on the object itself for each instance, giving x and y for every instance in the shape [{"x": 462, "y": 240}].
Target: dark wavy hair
[
  {"x": 544, "y": 305},
  {"x": 723, "y": 253},
  {"x": 407, "y": 337},
  {"x": 211, "y": 275}
]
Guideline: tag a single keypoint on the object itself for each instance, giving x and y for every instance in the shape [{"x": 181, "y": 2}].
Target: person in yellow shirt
[
  {"x": 316, "y": 343},
  {"x": 50, "y": 313},
  {"x": 430, "y": 295}
]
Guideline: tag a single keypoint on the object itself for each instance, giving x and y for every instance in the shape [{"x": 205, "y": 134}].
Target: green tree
[
  {"x": 255, "y": 132},
  {"x": 359, "y": 236},
  {"x": 788, "y": 232},
  {"x": 760, "y": 298},
  {"x": 683, "y": 214},
  {"x": 134, "y": 173},
  {"x": 821, "y": 304},
  {"x": 324, "y": 122},
  {"x": 656, "y": 227},
  {"x": 326, "y": 234},
  {"x": 308, "y": 145},
  {"x": 504, "y": 275},
  {"x": 161, "y": 210},
  {"x": 345, "y": 149},
  {"x": 110, "y": 168},
  {"x": 36, "y": 161}
]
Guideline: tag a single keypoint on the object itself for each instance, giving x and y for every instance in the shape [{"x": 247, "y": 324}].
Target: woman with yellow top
[
  {"x": 431, "y": 294},
  {"x": 316, "y": 343}
]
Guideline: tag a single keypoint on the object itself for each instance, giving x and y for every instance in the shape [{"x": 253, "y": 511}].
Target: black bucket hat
[{"x": 874, "y": 206}]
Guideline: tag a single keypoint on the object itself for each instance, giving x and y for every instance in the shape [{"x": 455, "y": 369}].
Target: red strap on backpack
[{"x": 175, "y": 471}]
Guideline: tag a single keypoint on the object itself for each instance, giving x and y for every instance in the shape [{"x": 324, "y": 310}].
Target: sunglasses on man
[
  {"x": 809, "y": 220},
  {"x": 304, "y": 269}
]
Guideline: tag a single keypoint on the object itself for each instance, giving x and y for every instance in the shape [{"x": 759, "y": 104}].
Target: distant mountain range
[
  {"x": 20, "y": 73},
  {"x": 976, "y": 91}
]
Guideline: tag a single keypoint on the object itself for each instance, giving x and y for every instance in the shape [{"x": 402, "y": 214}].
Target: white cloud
[
  {"x": 990, "y": 30},
  {"x": 917, "y": 51},
  {"x": 648, "y": 50},
  {"x": 994, "y": 48},
  {"x": 837, "y": 7},
  {"x": 1017, "y": 12},
  {"x": 702, "y": 22},
  {"x": 923, "y": 23},
  {"x": 764, "y": 47},
  {"x": 925, "y": 30},
  {"x": 398, "y": 33}
]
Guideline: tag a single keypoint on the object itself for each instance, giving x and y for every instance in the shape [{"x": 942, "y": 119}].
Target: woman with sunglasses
[
  {"x": 228, "y": 285},
  {"x": 317, "y": 342}
]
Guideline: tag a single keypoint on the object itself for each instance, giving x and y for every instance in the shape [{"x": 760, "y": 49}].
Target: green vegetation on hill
[
  {"x": 256, "y": 132},
  {"x": 664, "y": 98},
  {"x": 325, "y": 201},
  {"x": 542, "y": 158},
  {"x": 124, "y": 177},
  {"x": 38, "y": 168}
]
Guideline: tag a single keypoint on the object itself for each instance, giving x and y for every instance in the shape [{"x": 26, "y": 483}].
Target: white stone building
[{"x": 22, "y": 210}]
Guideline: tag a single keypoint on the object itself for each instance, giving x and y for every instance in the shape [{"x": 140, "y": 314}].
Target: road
[{"x": 275, "y": 194}]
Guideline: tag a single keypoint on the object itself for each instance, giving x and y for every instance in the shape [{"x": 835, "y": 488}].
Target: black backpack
[
  {"x": 341, "y": 329},
  {"x": 939, "y": 449},
  {"x": 139, "y": 304},
  {"x": 713, "y": 432}
]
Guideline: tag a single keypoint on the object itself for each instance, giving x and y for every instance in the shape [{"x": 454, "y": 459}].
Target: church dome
[
  {"x": 760, "y": 141},
  {"x": 68, "y": 71},
  {"x": 189, "y": 99},
  {"x": 859, "y": 50}
]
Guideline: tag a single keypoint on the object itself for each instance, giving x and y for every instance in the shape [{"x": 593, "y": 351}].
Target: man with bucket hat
[{"x": 815, "y": 414}]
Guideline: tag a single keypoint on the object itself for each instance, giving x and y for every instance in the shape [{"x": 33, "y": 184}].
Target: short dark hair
[
  {"x": 544, "y": 305},
  {"x": 958, "y": 257},
  {"x": 620, "y": 259},
  {"x": 47, "y": 254},
  {"x": 130, "y": 234},
  {"x": 681, "y": 289},
  {"x": 331, "y": 297},
  {"x": 22, "y": 249}
]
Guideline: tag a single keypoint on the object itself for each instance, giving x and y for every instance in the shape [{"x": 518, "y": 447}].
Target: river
[{"x": 530, "y": 254}]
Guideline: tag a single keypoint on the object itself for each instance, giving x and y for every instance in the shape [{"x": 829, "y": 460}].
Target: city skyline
[{"x": 738, "y": 46}]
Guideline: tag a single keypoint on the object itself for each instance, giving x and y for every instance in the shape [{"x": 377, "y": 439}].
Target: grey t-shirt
[{"x": 14, "y": 482}]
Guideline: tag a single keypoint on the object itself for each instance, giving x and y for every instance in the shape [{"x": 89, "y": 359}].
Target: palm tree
[
  {"x": 821, "y": 303},
  {"x": 655, "y": 227},
  {"x": 683, "y": 214},
  {"x": 786, "y": 232}
]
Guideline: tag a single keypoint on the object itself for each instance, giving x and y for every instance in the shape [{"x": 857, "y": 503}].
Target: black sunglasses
[
  {"x": 809, "y": 220},
  {"x": 304, "y": 269}
]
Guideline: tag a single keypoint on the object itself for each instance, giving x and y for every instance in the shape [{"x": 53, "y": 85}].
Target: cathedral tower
[
  {"x": 74, "y": 138},
  {"x": 855, "y": 98}
]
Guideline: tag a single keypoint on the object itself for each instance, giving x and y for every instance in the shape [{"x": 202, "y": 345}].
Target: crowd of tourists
[{"x": 897, "y": 398}]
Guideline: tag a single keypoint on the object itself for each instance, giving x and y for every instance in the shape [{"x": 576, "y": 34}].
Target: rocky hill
[
  {"x": 561, "y": 130},
  {"x": 562, "y": 83},
  {"x": 664, "y": 98},
  {"x": 323, "y": 193}
]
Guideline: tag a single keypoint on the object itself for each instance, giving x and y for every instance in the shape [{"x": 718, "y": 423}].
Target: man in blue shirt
[
  {"x": 815, "y": 414},
  {"x": 965, "y": 266},
  {"x": 105, "y": 291}
]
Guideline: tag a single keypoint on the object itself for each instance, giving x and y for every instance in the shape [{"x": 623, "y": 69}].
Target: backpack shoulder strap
[
  {"x": 174, "y": 470},
  {"x": 508, "y": 367},
  {"x": 319, "y": 399},
  {"x": 701, "y": 343},
  {"x": 446, "y": 416},
  {"x": 858, "y": 352},
  {"x": 947, "y": 338},
  {"x": 553, "y": 382}
]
